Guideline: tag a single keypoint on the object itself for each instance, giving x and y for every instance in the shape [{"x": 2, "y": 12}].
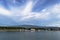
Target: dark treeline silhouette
[{"x": 29, "y": 27}]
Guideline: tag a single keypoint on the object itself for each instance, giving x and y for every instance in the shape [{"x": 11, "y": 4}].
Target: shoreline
[
  {"x": 25, "y": 30},
  {"x": 28, "y": 29}
]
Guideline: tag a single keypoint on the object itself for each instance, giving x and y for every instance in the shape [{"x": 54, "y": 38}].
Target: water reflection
[{"x": 43, "y": 35}]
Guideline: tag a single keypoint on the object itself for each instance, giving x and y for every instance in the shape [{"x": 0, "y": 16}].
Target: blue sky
[{"x": 30, "y": 12}]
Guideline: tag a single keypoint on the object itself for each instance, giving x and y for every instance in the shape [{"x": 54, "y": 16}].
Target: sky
[{"x": 30, "y": 12}]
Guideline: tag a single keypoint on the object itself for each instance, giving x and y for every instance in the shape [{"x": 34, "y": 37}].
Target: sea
[{"x": 42, "y": 35}]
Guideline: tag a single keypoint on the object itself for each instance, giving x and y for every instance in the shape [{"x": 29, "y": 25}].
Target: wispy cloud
[
  {"x": 4, "y": 11},
  {"x": 24, "y": 13}
]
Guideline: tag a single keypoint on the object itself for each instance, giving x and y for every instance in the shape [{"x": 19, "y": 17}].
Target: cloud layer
[{"x": 47, "y": 16}]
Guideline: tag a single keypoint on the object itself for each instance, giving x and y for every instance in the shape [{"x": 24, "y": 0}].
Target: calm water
[{"x": 43, "y": 35}]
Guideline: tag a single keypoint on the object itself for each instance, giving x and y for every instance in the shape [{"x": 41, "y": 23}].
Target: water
[{"x": 43, "y": 35}]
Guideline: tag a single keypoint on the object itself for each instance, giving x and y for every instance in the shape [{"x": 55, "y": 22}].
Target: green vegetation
[{"x": 28, "y": 28}]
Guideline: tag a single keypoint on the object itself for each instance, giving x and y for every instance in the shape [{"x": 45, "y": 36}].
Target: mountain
[{"x": 35, "y": 26}]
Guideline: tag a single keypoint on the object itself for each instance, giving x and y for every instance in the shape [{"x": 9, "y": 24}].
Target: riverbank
[
  {"x": 23, "y": 30},
  {"x": 28, "y": 29}
]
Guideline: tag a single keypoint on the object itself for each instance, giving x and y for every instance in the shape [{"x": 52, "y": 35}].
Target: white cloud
[
  {"x": 28, "y": 7},
  {"x": 24, "y": 12},
  {"x": 4, "y": 11},
  {"x": 36, "y": 16},
  {"x": 28, "y": 14},
  {"x": 55, "y": 10}
]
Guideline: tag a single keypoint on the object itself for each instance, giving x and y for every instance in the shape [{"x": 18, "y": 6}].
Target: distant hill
[
  {"x": 31, "y": 26},
  {"x": 25, "y": 26}
]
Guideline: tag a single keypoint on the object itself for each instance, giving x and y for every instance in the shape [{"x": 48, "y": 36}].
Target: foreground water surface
[{"x": 43, "y": 35}]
